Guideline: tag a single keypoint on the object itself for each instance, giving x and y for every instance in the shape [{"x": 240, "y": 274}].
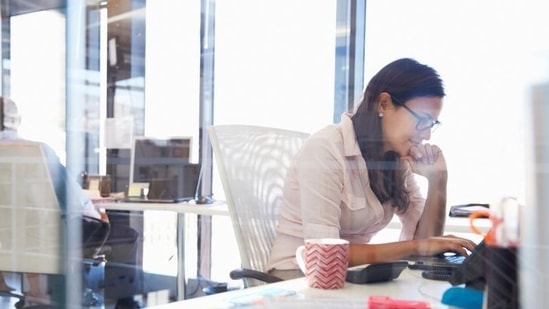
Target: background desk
[
  {"x": 218, "y": 208},
  {"x": 409, "y": 286},
  {"x": 454, "y": 226}
]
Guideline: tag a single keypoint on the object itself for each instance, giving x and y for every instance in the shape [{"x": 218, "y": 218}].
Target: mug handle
[{"x": 300, "y": 258}]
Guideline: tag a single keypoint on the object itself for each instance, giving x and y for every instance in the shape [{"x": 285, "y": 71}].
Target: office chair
[
  {"x": 32, "y": 227},
  {"x": 252, "y": 163},
  {"x": 20, "y": 297}
]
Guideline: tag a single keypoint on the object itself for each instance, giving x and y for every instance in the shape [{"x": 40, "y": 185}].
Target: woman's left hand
[{"x": 426, "y": 160}]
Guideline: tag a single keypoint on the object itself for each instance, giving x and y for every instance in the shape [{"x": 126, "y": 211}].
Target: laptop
[
  {"x": 168, "y": 189},
  {"x": 447, "y": 266},
  {"x": 439, "y": 262}
]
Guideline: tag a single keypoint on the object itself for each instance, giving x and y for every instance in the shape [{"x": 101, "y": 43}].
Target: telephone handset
[{"x": 471, "y": 271}]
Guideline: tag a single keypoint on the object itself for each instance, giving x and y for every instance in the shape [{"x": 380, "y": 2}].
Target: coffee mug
[
  {"x": 324, "y": 262},
  {"x": 504, "y": 218}
]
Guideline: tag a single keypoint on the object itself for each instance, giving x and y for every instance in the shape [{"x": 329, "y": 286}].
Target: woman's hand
[
  {"x": 426, "y": 160},
  {"x": 436, "y": 245}
]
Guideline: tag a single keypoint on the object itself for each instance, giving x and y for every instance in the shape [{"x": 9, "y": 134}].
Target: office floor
[
  {"x": 160, "y": 266},
  {"x": 13, "y": 281},
  {"x": 160, "y": 250}
]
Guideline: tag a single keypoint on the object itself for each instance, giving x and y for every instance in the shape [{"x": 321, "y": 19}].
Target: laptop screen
[
  {"x": 164, "y": 163},
  {"x": 182, "y": 184}
]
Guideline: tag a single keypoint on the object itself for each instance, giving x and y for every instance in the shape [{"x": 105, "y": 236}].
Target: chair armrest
[
  {"x": 245, "y": 273},
  {"x": 95, "y": 233}
]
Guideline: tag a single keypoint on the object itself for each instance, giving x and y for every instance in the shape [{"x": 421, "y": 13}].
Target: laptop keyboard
[
  {"x": 455, "y": 259},
  {"x": 157, "y": 201}
]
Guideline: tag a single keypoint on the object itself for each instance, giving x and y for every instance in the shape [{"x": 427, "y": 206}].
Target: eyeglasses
[{"x": 423, "y": 123}]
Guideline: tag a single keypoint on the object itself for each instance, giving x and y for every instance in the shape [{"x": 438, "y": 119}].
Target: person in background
[
  {"x": 121, "y": 271},
  {"x": 349, "y": 179}
]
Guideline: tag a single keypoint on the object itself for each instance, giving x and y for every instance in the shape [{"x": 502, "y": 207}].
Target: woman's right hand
[
  {"x": 440, "y": 244},
  {"x": 426, "y": 160}
]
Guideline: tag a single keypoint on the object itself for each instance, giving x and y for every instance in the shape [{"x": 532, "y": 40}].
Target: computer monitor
[{"x": 165, "y": 164}]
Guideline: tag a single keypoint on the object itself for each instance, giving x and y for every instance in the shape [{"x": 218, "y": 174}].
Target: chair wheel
[{"x": 20, "y": 304}]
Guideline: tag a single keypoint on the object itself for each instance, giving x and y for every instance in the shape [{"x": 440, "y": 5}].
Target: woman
[{"x": 350, "y": 178}]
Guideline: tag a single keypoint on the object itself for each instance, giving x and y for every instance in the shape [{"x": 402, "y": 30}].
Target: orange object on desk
[{"x": 504, "y": 217}]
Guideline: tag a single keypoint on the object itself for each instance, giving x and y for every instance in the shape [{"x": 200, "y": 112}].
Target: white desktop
[{"x": 295, "y": 293}]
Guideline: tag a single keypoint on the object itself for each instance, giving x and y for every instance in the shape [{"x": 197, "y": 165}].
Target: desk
[
  {"x": 408, "y": 286},
  {"x": 453, "y": 225},
  {"x": 218, "y": 208}
]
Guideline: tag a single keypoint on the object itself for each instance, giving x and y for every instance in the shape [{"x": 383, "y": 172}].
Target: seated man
[{"x": 122, "y": 280}]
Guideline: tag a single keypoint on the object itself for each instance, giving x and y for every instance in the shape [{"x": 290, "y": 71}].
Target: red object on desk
[{"x": 385, "y": 302}]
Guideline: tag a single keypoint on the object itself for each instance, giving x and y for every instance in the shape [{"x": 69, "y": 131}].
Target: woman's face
[{"x": 399, "y": 125}]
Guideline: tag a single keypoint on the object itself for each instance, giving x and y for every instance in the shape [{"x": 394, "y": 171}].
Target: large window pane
[
  {"x": 274, "y": 66},
  {"x": 38, "y": 78},
  {"x": 274, "y": 63},
  {"x": 481, "y": 49}
]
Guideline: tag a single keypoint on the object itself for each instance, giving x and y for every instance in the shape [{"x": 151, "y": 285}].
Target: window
[{"x": 483, "y": 51}]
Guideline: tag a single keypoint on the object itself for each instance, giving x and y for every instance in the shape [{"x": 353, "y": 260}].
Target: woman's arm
[
  {"x": 428, "y": 160},
  {"x": 367, "y": 254},
  {"x": 433, "y": 219}
]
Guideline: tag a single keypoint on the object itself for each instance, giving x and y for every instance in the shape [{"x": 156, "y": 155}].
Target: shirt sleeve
[
  {"x": 321, "y": 181},
  {"x": 411, "y": 217},
  {"x": 69, "y": 193}
]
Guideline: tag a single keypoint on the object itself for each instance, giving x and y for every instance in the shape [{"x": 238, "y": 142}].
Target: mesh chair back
[
  {"x": 252, "y": 162},
  {"x": 30, "y": 220}
]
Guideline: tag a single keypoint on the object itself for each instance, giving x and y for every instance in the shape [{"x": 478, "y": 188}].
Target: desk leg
[
  {"x": 205, "y": 244},
  {"x": 181, "y": 278}
]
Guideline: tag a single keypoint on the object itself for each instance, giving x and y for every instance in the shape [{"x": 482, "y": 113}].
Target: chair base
[{"x": 20, "y": 303}]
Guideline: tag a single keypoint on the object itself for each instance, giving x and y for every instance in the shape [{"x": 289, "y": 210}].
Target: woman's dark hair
[{"x": 403, "y": 79}]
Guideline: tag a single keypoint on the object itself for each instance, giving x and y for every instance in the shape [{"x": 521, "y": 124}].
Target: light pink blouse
[{"x": 327, "y": 194}]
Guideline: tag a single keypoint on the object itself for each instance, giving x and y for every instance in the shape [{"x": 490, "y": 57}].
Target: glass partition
[{"x": 171, "y": 68}]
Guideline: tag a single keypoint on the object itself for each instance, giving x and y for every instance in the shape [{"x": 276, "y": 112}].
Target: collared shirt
[
  {"x": 327, "y": 194},
  {"x": 61, "y": 180}
]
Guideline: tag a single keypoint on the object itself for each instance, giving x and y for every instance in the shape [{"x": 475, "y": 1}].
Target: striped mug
[{"x": 324, "y": 262}]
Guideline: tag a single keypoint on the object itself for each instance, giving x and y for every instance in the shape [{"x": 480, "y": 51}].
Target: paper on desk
[
  {"x": 314, "y": 303},
  {"x": 257, "y": 299},
  {"x": 277, "y": 298}
]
